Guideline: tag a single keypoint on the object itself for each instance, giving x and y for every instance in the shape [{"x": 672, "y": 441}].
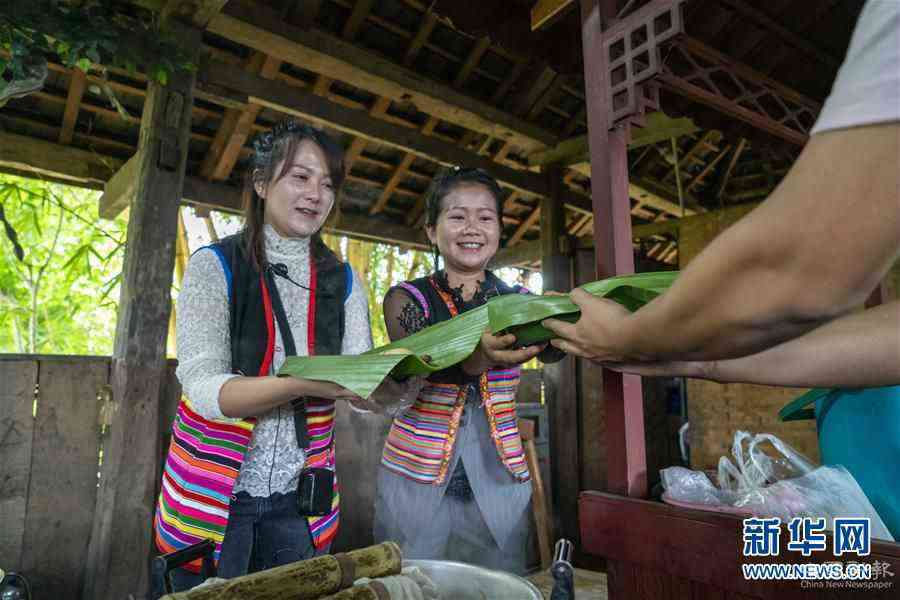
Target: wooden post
[
  {"x": 538, "y": 495},
  {"x": 559, "y": 378},
  {"x": 120, "y": 547},
  {"x": 626, "y": 454}
]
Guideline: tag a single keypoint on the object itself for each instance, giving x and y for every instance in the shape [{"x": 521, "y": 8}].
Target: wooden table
[{"x": 589, "y": 585}]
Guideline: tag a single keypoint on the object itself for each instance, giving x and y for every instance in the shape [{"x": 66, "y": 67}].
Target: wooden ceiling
[{"x": 409, "y": 86}]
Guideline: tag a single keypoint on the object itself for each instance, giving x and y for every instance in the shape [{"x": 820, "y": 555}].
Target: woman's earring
[{"x": 435, "y": 255}]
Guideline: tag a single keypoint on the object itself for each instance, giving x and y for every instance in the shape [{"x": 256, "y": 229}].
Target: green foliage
[
  {"x": 61, "y": 298},
  {"x": 81, "y": 34}
]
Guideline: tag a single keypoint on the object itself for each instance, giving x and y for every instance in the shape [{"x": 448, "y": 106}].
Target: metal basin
[{"x": 460, "y": 581}]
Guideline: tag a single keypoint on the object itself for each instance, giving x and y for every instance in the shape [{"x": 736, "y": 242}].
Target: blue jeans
[{"x": 262, "y": 533}]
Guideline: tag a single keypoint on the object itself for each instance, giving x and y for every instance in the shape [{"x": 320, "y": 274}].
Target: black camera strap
[{"x": 290, "y": 349}]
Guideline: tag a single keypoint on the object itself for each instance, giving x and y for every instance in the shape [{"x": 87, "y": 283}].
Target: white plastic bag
[
  {"x": 779, "y": 483},
  {"x": 695, "y": 487}
]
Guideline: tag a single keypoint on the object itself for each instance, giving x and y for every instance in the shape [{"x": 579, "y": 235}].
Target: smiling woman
[
  {"x": 243, "y": 439},
  {"x": 453, "y": 483}
]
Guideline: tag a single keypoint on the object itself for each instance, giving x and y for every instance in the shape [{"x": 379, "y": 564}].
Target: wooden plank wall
[
  {"x": 16, "y": 435},
  {"x": 49, "y": 508},
  {"x": 49, "y": 472}
]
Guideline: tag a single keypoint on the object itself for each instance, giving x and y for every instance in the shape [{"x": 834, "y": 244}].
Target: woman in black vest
[
  {"x": 453, "y": 484},
  {"x": 243, "y": 439}
]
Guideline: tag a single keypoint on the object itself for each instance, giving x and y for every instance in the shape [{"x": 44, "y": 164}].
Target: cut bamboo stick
[{"x": 305, "y": 580}]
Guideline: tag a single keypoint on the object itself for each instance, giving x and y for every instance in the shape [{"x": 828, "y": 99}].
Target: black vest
[
  {"x": 251, "y": 316},
  {"x": 438, "y": 311}
]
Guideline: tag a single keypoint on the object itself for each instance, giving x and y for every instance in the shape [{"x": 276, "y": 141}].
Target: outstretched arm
[{"x": 857, "y": 350}]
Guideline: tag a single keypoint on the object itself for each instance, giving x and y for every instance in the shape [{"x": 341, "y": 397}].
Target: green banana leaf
[
  {"x": 443, "y": 345},
  {"x": 522, "y": 315}
]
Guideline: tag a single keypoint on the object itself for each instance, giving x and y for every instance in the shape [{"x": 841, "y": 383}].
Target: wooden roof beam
[
  {"x": 539, "y": 86},
  {"x": 812, "y": 50},
  {"x": 692, "y": 155},
  {"x": 517, "y": 69},
  {"x": 465, "y": 71},
  {"x": 259, "y": 27},
  {"x": 200, "y": 12},
  {"x": 293, "y": 101},
  {"x": 361, "y": 10},
  {"x": 472, "y": 61},
  {"x": 120, "y": 189},
  {"x": 547, "y": 12},
  {"x": 305, "y": 13},
  {"x": 73, "y": 102},
  {"x": 392, "y": 183},
  {"x": 236, "y": 125},
  {"x": 527, "y": 224},
  {"x": 737, "y": 154},
  {"x": 652, "y": 193},
  {"x": 707, "y": 169},
  {"x": 38, "y": 158},
  {"x": 28, "y": 155},
  {"x": 421, "y": 37},
  {"x": 659, "y": 127}
]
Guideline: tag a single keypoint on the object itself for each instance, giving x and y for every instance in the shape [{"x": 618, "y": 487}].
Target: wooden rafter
[
  {"x": 527, "y": 224},
  {"x": 39, "y": 158},
  {"x": 236, "y": 125},
  {"x": 576, "y": 120},
  {"x": 392, "y": 184},
  {"x": 354, "y": 152},
  {"x": 360, "y": 11},
  {"x": 518, "y": 68},
  {"x": 462, "y": 76},
  {"x": 708, "y": 169},
  {"x": 306, "y": 12},
  {"x": 538, "y": 87},
  {"x": 806, "y": 21},
  {"x": 200, "y": 12},
  {"x": 792, "y": 38},
  {"x": 120, "y": 189},
  {"x": 73, "y": 102},
  {"x": 503, "y": 152},
  {"x": 546, "y": 12},
  {"x": 472, "y": 61},
  {"x": 259, "y": 28},
  {"x": 428, "y": 22},
  {"x": 322, "y": 85},
  {"x": 658, "y": 127},
  {"x": 737, "y": 154},
  {"x": 694, "y": 154},
  {"x": 580, "y": 224},
  {"x": 550, "y": 92}
]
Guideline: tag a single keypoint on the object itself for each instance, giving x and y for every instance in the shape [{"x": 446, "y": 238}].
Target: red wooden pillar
[{"x": 626, "y": 453}]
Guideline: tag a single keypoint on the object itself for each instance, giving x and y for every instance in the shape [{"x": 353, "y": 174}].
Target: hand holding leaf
[{"x": 593, "y": 336}]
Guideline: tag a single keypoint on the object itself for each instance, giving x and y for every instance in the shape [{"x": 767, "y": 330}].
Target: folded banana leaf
[
  {"x": 443, "y": 345},
  {"x": 522, "y": 315}
]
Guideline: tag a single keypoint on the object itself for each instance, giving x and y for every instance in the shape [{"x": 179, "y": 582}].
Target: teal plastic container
[{"x": 859, "y": 429}]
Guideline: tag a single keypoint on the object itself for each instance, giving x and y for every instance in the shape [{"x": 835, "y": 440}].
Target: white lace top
[{"x": 273, "y": 460}]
